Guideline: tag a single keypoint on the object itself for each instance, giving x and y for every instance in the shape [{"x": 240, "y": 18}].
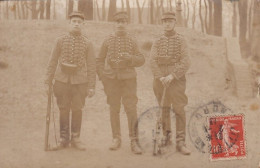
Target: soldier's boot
[
  {"x": 182, "y": 148},
  {"x": 116, "y": 144},
  {"x": 76, "y": 143},
  {"x": 168, "y": 139},
  {"x": 135, "y": 147},
  {"x": 63, "y": 143}
]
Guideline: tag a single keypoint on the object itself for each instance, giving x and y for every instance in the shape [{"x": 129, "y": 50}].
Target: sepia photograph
[{"x": 129, "y": 83}]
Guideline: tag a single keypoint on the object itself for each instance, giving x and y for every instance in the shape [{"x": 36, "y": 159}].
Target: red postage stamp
[{"x": 227, "y": 137}]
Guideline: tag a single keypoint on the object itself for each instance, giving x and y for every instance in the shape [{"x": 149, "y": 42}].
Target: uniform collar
[
  {"x": 75, "y": 33},
  {"x": 120, "y": 33},
  {"x": 170, "y": 33}
]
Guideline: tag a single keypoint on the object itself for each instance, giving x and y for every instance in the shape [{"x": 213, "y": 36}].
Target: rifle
[
  {"x": 157, "y": 140},
  {"x": 47, "y": 146},
  {"x": 258, "y": 88}
]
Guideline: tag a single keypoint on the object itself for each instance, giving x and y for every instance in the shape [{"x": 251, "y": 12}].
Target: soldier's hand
[
  {"x": 162, "y": 79},
  {"x": 168, "y": 79},
  {"x": 126, "y": 56},
  {"x": 91, "y": 93}
]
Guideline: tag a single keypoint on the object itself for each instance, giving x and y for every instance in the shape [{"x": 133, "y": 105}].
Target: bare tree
[
  {"x": 104, "y": 10},
  {"x": 123, "y": 5},
  {"x": 54, "y": 9},
  {"x": 242, "y": 8},
  {"x": 186, "y": 10},
  {"x": 169, "y": 5},
  {"x": 7, "y": 10},
  {"x": 234, "y": 20},
  {"x": 41, "y": 9},
  {"x": 140, "y": 11},
  {"x": 18, "y": 9},
  {"x": 128, "y": 8},
  {"x": 151, "y": 11},
  {"x": 159, "y": 4},
  {"x": 255, "y": 49},
  {"x": 34, "y": 10},
  {"x": 201, "y": 19},
  {"x": 23, "y": 10},
  {"x": 250, "y": 21},
  {"x": 111, "y": 10},
  {"x": 86, "y": 7},
  {"x": 194, "y": 14},
  {"x": 97, "y": 11},
  {"x": 218, "y": 17},
  {"x": 210, "y": 17},
  {"x": 206, "y": 17},
  {"x": 48, "y": 9}
]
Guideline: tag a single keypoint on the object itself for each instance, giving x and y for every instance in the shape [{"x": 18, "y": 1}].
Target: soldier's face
[
  {"x": 169, "y": 24},
  {"x": 121, "y": 24},
  {"x": 76, "y": 23}
]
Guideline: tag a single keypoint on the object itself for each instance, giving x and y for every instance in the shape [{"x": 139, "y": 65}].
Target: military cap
[
  {"x": 169, "y": 15},
  {"x": 120, "y": 15},
  {"x": 77, "y": 14}
]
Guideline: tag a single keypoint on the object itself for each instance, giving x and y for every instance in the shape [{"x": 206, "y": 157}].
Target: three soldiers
[
  {"x": 118, "y": 57},
  {"x": 169, "y": 63},
  {"x": 73, "y": 66}
]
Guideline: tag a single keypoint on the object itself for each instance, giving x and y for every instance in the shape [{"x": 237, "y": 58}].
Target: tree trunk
[
  {"x": 54, "y": 9},
  {"x": 206, "y": 17},
  {"x": 128, "y": 10},
  {"x": 255, "y": 49},
  {"x": 18, "y": 10},
  {"x": 48, "y": 9},
  {"x": 210, "y": 17},
  {"x": 242, "y": 8},
  {"x": 111, "y": 10},
  {"x": 188, "y": 14},
  {"x": 97, "y": 11},
  {"x": 234, "y": 20},
  {"x": 218, "y": 17},
  {"x": 34, "y": 11},
  {"x": 86, "y": 7},
  {"x": 194, "y": 14},
  {"x": 250, "y": 21},
  {"x": 71, "y": 4},
  {"x": 104, "y": 10},
  {"x": 151, "y": 12},
  {"x": 140, "y": 11},
  {"x": 41, "y": 9},
  {"x": 201, "y": 20},
  {"x": 23, "y": 11},
  {"x": 123, "y": 5},
  {"x": 7, "y": 10}
]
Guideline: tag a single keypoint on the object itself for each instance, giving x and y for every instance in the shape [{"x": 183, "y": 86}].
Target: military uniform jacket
[
  {"x": 117, "y": 43},
  {"x": 74, "y": 49},
  {"x": 172, "y": 46}
]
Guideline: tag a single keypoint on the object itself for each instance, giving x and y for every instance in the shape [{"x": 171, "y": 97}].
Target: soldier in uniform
[
  {"x": 118, "y": 57},
  {"x": 169, "y": 63},
  {"x": 73, "y": 67}
]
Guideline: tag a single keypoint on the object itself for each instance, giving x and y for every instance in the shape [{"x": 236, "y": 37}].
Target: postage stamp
[{"x": 227, "y": 139}]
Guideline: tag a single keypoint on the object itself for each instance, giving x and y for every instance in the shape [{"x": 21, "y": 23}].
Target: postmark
[
  {"x": 227, "y": 137},
  {"x": 198, "y": 127}
]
